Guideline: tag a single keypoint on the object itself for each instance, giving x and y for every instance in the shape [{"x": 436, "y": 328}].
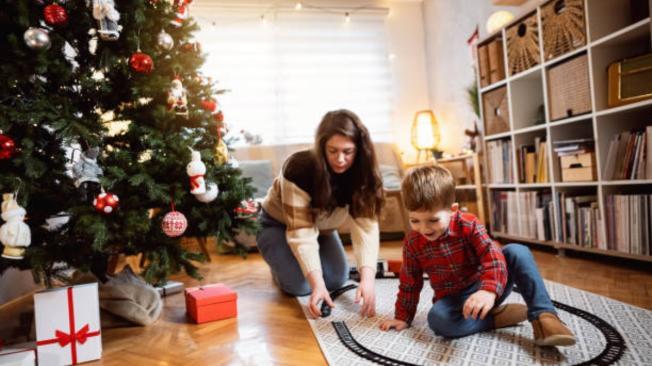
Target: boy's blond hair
[{"x": 430, "y": 187}]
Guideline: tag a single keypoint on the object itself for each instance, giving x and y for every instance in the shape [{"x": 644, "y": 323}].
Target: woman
[{"x": 315, "y": 193}]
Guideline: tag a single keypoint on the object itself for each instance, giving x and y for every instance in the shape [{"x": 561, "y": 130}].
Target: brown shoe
[
  {"x": 509, "y": 314},
  {"x": 550, "y": 331}
]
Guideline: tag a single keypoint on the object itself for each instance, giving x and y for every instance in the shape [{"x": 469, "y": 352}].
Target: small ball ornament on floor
[
  {"x": 141, "y": 62},
  {"x": 7, "y": 147},
  {"x": 55, "y": 15},
  {"x": 37, "y": 38},
  {"x": 106, "y": 203},
  {"x": 174, "y": 224}
]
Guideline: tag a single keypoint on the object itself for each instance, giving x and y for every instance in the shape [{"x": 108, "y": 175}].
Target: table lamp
[{"x": 425, "y": 134}]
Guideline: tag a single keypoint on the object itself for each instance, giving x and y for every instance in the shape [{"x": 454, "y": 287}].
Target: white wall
[
  {"x": 406, "y": 41},
  {"x": 448, "y": 25}
]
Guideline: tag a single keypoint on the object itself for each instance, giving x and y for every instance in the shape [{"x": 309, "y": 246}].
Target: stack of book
[
  {"x": 573, "y": 147},
  {"x": 499, "y": 154},
  {"x": 581, "y": 221},
  {"x": 629, "y": 219},
  {"x": 629, "y": 155},
  {"x": 533, "y": 165},
  {"x": 512, "y": 214}
]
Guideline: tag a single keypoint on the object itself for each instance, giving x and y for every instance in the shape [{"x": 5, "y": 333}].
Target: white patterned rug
[{"x": 608, "y": 332}]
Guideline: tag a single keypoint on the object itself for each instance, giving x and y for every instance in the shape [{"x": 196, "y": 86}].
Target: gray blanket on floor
[{"x": 125, "y": 299}]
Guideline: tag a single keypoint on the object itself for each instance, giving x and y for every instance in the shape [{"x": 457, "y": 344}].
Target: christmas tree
[{"x": 70, "y": 72}]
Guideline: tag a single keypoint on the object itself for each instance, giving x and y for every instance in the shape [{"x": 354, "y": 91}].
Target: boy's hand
[
  {"x": 478, "y": 304},
  {"x": 399, "y": 325},
  {"x": 366, "y": 292}
]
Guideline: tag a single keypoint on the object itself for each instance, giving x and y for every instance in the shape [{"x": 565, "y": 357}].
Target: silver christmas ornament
[
  {"x": 37, "y": 38},
  {"x": 165, "y": 41}
]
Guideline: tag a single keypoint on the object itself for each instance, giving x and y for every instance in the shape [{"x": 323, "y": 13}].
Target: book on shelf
[
  {"x": 533, "y": 164},
  {"x": 499, "y": 154},
  {"x": 629, "y": 226},
  {"x": 512, "y": 214},
  {"x": 628, "y": 156},
  {"x": 580, "y": 221},
  {"x": 573, "y": 147}
]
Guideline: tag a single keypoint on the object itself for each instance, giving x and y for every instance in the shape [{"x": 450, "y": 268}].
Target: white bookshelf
[{"x": 611, "y": 36}]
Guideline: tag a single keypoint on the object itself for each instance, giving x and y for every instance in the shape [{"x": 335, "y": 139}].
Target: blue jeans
[
  {"x": 445, "y": 317},
  {"x": 286, "y": 271}
]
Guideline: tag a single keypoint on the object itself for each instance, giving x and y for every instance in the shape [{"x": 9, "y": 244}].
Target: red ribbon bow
[
  {"x": 194, "y": 180},
  {"x": 80, "y": 336},
  {"x": 73, "y": 338}
]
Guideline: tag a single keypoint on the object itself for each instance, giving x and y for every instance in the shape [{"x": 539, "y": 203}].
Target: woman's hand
[
  {"x": 367, "y": 292},
  {"x": 478, "y": 304},
  {"x": 319, "y": 293},
  {"x": 393, "y": 323}
]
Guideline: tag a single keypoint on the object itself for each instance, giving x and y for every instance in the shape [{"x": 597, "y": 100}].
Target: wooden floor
[{"x": 272, "y": 330}]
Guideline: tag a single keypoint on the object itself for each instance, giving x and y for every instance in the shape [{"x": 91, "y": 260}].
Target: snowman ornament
[
  {"x": 202, "y": 190},
  {"x": 14, "y": 233}
]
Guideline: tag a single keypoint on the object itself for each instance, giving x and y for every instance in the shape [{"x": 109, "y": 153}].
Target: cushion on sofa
[{"x": 391, "y": 176}]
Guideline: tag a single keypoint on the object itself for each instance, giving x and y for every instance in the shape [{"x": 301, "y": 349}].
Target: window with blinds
[{"x": 286, "y": 70}]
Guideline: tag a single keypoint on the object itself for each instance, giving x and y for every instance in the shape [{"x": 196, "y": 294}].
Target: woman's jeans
[
  {"x": 286, "y": 271},
  {"x": 445, "y": 317}
]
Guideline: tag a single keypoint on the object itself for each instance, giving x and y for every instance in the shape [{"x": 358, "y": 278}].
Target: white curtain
[{"x": 286, "y": 72}]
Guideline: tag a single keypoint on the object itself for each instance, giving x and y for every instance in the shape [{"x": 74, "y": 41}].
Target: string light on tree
[{"x": 298, "y": 6}]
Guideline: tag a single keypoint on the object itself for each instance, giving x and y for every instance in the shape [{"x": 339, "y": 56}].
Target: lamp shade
[
  {"x": 498, "y": 20},
  {"x": 425, "y": 131}
]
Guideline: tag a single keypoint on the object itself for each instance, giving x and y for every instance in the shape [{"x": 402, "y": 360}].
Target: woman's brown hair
[{"x": 365, "y": 181}]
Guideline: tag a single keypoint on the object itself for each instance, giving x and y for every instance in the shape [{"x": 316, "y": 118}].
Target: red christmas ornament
[
  {"x": 219, "y": 117},
  {"x": 106, "y": 203},
  {"x": 247, "y": 208},
  {"x": 209, "y": 105},
  {"x": 191, "y": 47},
  {"x": 174, "y": 224},
  {"x": 55, "y": 15},
  {"x": 141, "y": 62},
  {"x": 7, "y": 147}
]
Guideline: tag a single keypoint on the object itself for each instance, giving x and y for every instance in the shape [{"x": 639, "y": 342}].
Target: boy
[{"x": 468, "y": 271}]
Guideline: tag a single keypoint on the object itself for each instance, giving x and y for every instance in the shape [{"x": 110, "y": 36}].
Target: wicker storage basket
[
  {"x": 495, "y": 111},
  {"x": 523, "y": 45},
  {"x": 483, "y": 65},
  {"x": 568, "y": 88},
  {"x": 496, "y": 61},
  {"x": 564, "y": 28}
]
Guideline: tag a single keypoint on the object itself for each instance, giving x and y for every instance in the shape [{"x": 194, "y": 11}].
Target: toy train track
[{"x": 614, "y": 349}]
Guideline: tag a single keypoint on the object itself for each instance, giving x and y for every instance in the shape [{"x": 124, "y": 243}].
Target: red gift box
[
  {"x": 394, "y": 265},
  {"x": 211, "y": 302}
]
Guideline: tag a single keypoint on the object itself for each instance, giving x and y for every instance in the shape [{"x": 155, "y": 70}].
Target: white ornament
[
  {"x": 107, "y": 16},
  {"x": 211, "y": 193},
  {"x": 37, "y": 38},
  {"x": 14, "y": 233},
  {"x": 174, "y": 224},
  {"x": 196, "y": 170},
  {"x": 165, "y": 40},
  {"x": 177, "y": 98}
]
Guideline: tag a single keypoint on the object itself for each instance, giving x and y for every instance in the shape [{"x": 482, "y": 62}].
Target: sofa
[{"x": 263, "y": 163}]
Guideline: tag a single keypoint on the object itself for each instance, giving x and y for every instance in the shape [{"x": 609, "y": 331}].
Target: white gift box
[
  {"x": 68, "y": 325},
  {"x": 18, "y": 355}
]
